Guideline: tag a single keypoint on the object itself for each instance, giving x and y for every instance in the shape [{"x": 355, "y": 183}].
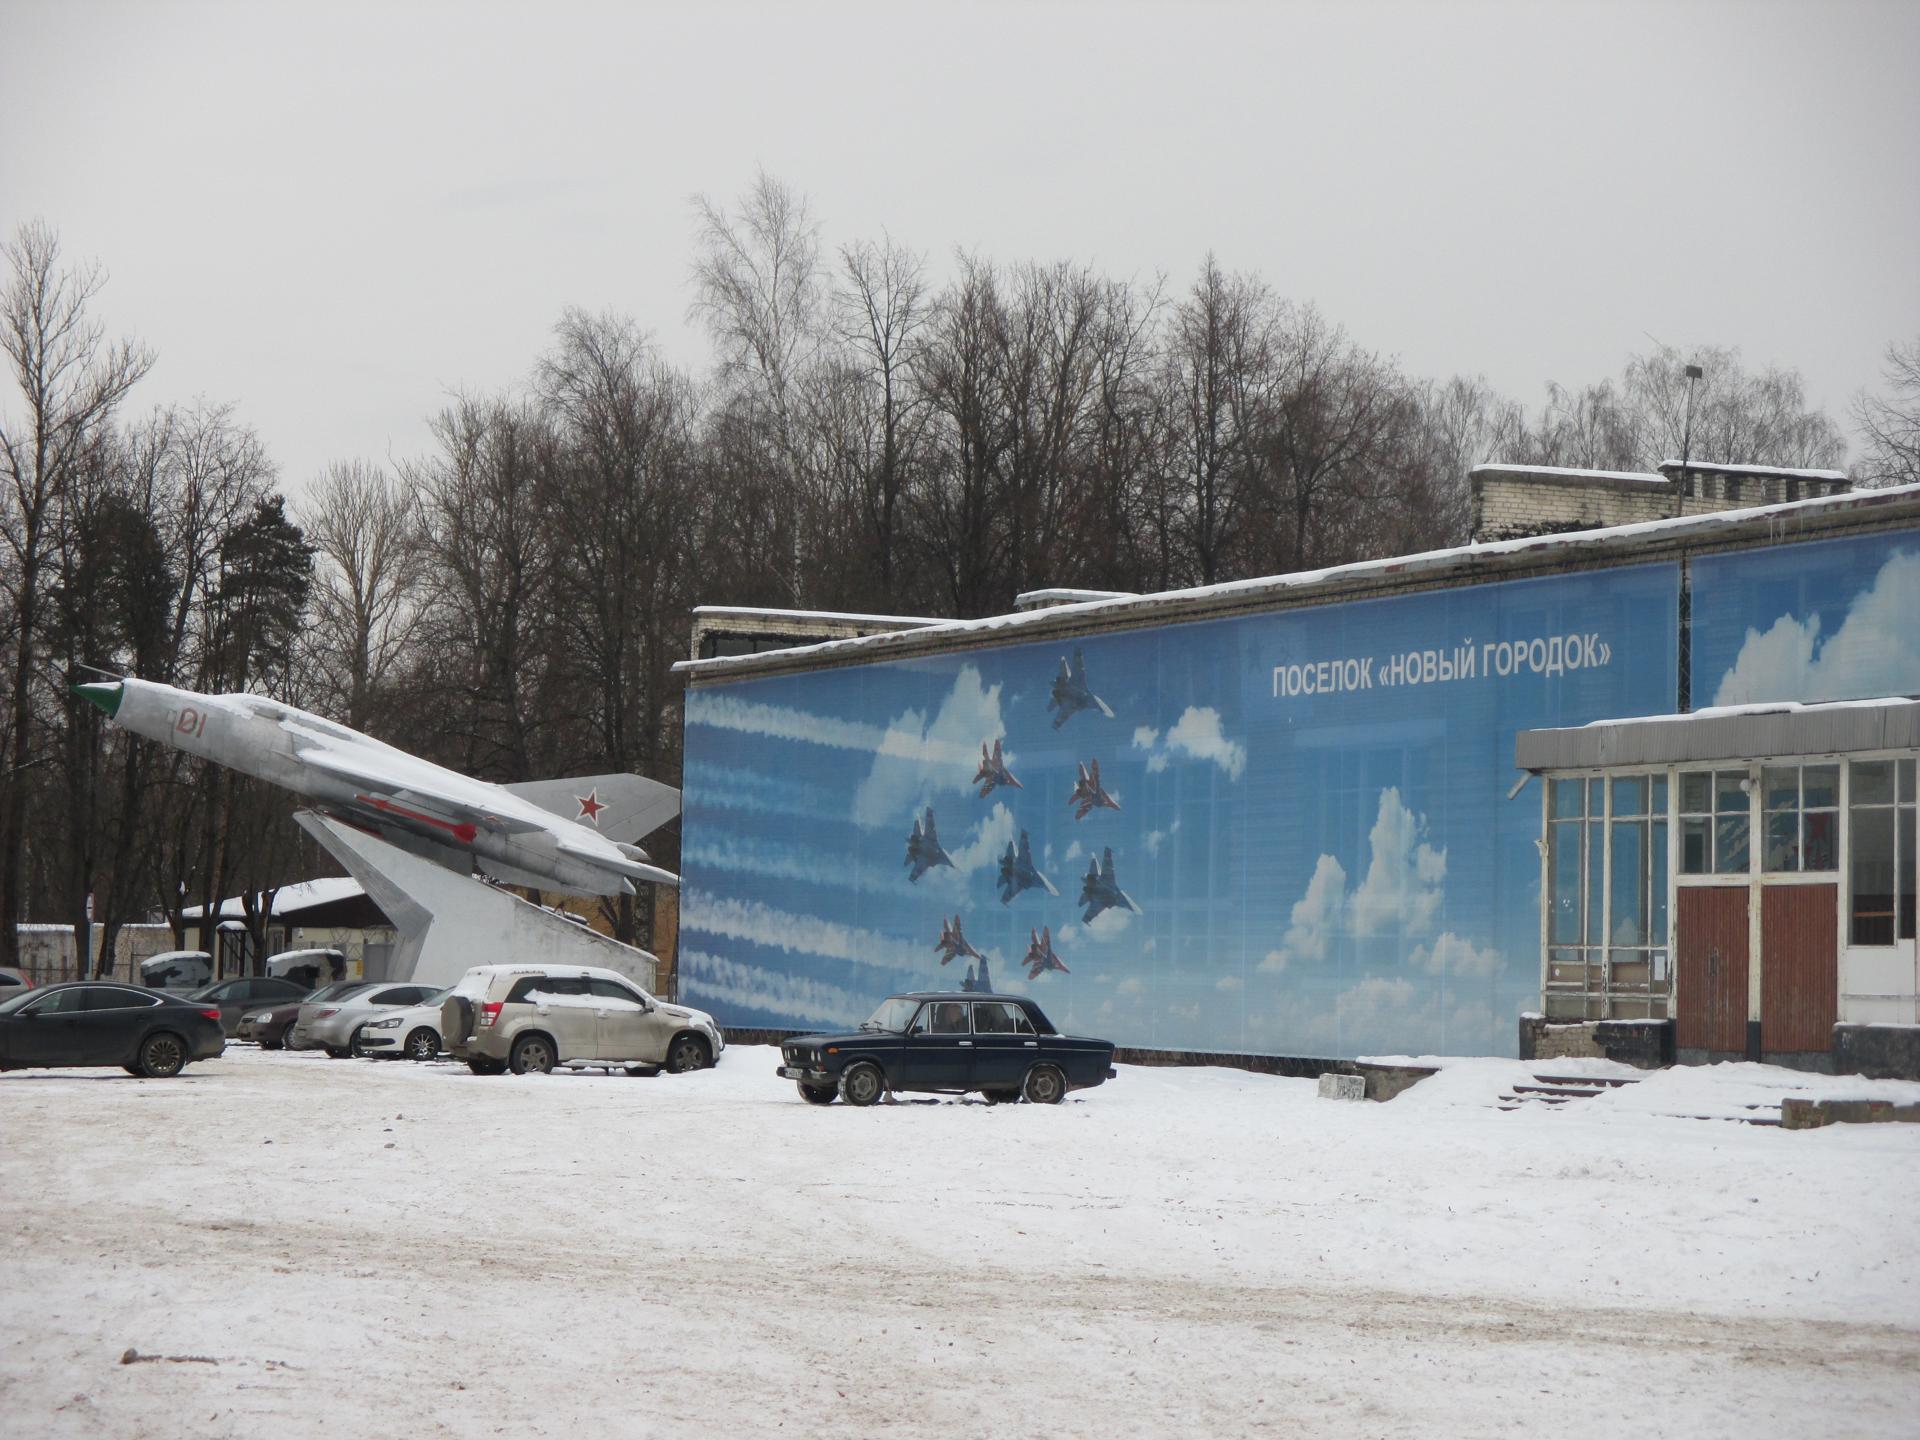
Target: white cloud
[
  {"x": 1196, "y": 735},
  {"x": 986, "y": 842},
  {"x": 713, "y": 978},
  {"x": 1132, "y": 987},
  {"x": 1227, "y": 984},
  {"x": 1876, "y": 650},
  {"x": 758, "y": 924},
  {"x": 780, "y": 722},
  {"x": 1401, "y": 892},
  {"x": 1109, "y": 923},
  {"x": 1153, "y": 840},
  {"x": 1454, "y": 955},
  {"x": 916, "y": 759},
  {"x": 1074, "y": 852}
]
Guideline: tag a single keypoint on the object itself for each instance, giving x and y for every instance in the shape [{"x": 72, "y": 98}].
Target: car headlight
[
  {"x": 392, "y": 1024},
  {"x": 259, "y": 1019}
]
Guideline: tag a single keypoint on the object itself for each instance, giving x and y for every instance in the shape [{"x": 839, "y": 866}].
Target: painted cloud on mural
[
  {"x": 1400, "y": 894},
  {"x": 1875, "y": 651},
  {"x": 917, "y": 760},
  {"x": 1196, "y": 735}
]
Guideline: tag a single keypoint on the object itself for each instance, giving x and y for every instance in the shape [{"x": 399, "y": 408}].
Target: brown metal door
[
  {"x": 1799, "y": 967},
  {"x": 1710, "y": 968}
]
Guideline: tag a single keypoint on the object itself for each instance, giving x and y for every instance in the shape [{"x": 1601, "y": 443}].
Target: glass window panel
[
  {"x": 1565, "y": 798},
  {"x": 1730, "y": 845},
  {"x": 1657, "y": 884},
  {"x": 1630, "y": 970},
  {"x": 1820, "y": 840},
  {"x": 1563, "y": 863},
  {"x": 1629, "y": 915},
  {"x": 1696, "y": 792},
  {"x": 1873, "y": 782},
  {"x": 1728, "y": 797},
  {"x": 1566, "y": 967},
  {"x": 1903, "y": 882},
  {"x": 1780, "y": 787},
  {"x": 1659, "y": 795},
  {"x": 1820, "y": 787},
  {"x": 1906, "y": 781},
  {"x": 1782, "y": 850},
  {"x": 1595, "y": 799},
  {"x": 1696, "y": 849},
  {"x": 1870, "y": 878},
  {"x": 1595, "y": 902},
  {"x": 1658, "y": 959},
  {"x": 1630, "y": 795}
]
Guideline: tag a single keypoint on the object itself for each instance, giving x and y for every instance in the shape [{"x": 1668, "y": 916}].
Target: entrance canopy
[{"x": 1737, "y": 732}]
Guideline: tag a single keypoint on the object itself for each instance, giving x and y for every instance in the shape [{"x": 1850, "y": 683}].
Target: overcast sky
[{"x": 331, "y": 214}]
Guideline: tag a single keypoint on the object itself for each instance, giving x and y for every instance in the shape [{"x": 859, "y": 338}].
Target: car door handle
[
  {"x": 1031, "y": 1044},
  {"x": 966, "y": 1044}
]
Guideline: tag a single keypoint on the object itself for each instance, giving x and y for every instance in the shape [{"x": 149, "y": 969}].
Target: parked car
[
  {"x": 413, "y": 1031},
  {"x": 531, "y": 1018},
  {"x": 177, "y": 970},
  {"x": 330, "y": 1026},
  {"x": 268, "y": 1028},
  {"x": 12, "y": 980},
  {"x": 309, "y": 968},
  {"x": 236, "y": 997},
  {"x": 145, "y": 1032},
  {"x": 947, "y": 1043}
]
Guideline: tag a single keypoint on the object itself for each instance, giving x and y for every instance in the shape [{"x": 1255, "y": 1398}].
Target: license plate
[{"x": 792, "y": 1072}]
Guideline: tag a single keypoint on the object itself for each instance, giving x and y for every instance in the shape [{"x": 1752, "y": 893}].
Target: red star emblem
[{"x": 590, "y": 806}]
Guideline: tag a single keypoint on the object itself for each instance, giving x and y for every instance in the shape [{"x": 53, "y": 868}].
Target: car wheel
[
  {"x": 162, "y": 1055},
  {"x": 688, "y": 1052},
  {"x": 356, "y": 1046},
  {"x": 339, "y": 1052},
  {"x": 423, "y": 1044},
  {"x": 1000, "y": 1097},
  {"x": 270, "y": 1044},
  {"x": 1045, "y": 1086},
  {"x": 643, "y": 1072},
  {"x": 131, "y": 1069},
  {"x": 862, "y": 1083},
  {"x": 532, "y": 1055},
  {"x": 486, "y": 1067},
  {"x": 818, "y": 1094}
]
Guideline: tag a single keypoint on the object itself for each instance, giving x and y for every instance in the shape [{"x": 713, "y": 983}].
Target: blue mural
[
  {"x": 1285, "y": 833},
  {"x": 1827, "y": 620}
]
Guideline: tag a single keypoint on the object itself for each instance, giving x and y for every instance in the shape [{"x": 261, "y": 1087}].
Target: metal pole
[{"x": 1693, "y": 372}]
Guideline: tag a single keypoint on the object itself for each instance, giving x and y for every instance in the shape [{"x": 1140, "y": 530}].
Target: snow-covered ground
[{"x": 360, "y": 1248}]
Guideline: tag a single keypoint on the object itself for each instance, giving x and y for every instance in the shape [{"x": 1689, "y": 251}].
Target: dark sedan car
[
  {"x": 246, "y": 995},
  {"x": 145, "y": 1032},
  {"x": 1003, "y": 1046}
]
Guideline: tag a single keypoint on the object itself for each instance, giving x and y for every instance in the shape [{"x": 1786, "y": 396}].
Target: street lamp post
[{"x": 1693, "y": 373}]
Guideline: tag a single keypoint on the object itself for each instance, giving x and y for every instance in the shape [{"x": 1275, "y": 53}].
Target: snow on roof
[
  {"x": 304, "y": 895},
  {"x": 759, "y": 612},
  {"x": 1759, "y": 707},
  {"x": 1562, "y": 472},
  {"x": 874, "y": 647},
  {"x": 1717, "y": 468}
]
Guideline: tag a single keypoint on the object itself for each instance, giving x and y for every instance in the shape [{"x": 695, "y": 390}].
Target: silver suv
[{"x": 533, "y": 1018}]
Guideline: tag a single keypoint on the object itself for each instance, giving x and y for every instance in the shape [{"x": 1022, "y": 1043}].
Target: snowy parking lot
[{"x": 299, "y": 1246}]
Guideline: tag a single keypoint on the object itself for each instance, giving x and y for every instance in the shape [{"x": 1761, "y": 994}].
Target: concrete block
[{"x": 1342, "y": 1087}]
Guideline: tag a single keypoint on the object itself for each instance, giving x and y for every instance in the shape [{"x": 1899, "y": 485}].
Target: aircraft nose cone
[{"x": 103, "y": 695}]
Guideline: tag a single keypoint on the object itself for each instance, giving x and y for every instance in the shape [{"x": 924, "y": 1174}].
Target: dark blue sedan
[
  {"x": 947, "y": 1043},
  {"x": 145, "y": 1032}
]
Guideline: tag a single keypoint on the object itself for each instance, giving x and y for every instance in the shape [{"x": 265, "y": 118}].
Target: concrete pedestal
[{"x": 449, "y": 922}]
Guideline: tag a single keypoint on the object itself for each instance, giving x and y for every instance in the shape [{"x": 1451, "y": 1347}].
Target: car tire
[
  {"x": 356, "y": 1047},
  {"x": 162, "y": 1055},
  {"x": 339, "y": 1052},
  {"x": 1045, "y": 1086},
  {"x": 423, "y": 1044},
  {"x": 1000, "y": 1097},
  {"x": 487, "y": 1067},
  {"x": 131, "y": 1069},
  {"x": 818, "y": 1094},
  {"x": 643, "y": 1072},
  {"x": 688, "y": 1052},
  {"x": 862, "y": 1083},
  {"x": 532, "y": 1055},
  {"x": 270, "y": 1044}
]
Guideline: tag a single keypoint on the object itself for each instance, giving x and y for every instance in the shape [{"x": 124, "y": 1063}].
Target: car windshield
[
  {"x": 337, "y": 989},
  {"x": 15, "y": 1001},
  {"x": 892, "y": 1015}
]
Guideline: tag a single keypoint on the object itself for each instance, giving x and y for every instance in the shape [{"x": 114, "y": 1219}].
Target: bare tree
[
  {"x": 1890, "y": 423},
  {"x": 365, "y": 528},
  {"x": 71, "y": 380}
]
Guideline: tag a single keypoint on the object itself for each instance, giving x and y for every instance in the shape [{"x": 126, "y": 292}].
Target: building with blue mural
[{"x": 1281, "y": 817}]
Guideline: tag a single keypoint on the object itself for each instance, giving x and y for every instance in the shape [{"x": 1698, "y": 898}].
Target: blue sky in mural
[
  {"x": 1831, "y": 620},
  {"x": 1329, "y": 873}
]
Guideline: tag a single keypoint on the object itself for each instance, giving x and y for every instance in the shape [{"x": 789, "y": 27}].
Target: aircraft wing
[
  {"x": 585, "y": 849},
  {"x": 403, "y": 787}
]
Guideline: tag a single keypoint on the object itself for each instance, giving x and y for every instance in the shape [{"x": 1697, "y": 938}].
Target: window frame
[{"x": 1653, "y": 997}]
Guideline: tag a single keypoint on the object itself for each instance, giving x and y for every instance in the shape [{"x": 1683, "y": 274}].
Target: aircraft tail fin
[{"x": 624, "y": 808}]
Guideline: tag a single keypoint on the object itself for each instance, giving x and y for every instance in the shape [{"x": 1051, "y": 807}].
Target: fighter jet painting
[
  {"x": 1017, "y": 872},
  {"x": 573, "y": 835},
  {"x": 952, "y": 944},
  {"x": 1101, "y": 888},
  {"x": 1040, "y": 956},
  {"x": 1070, "y": 692},
  {"x": 923, "y": 848},
  {"x": 1089, "y": 794},
  {"x": 993, "y": 771}
]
